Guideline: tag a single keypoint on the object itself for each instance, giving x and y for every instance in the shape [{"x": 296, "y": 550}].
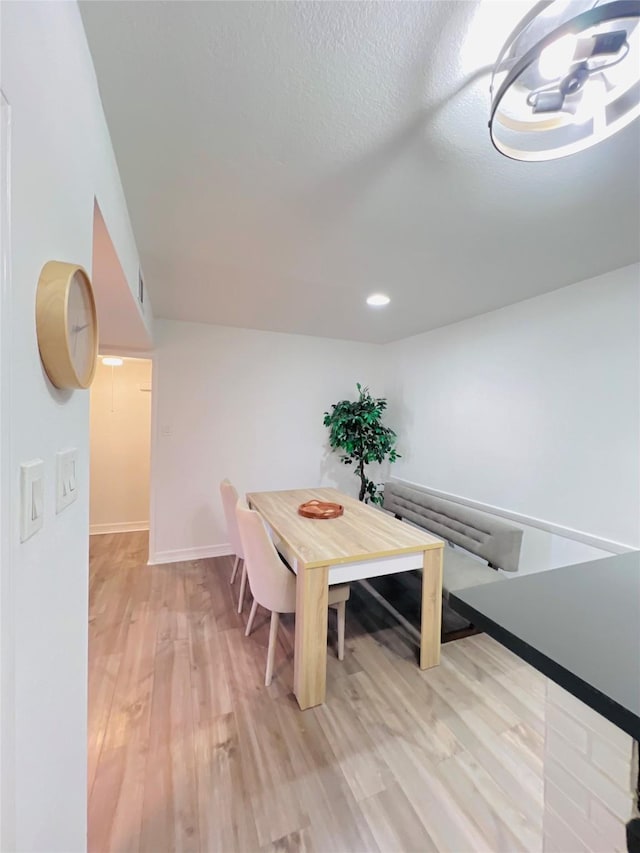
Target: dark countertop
[{"x": 579, "y": 625}]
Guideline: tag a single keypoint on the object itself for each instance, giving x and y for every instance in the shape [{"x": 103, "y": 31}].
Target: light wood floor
[{"x": 189, "y": 751}]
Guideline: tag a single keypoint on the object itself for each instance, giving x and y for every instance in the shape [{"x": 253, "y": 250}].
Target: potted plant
[{"x": 356, "y": 428}]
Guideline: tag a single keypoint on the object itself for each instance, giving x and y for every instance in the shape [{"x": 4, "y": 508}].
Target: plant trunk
[{"x": 363, "y": 481}]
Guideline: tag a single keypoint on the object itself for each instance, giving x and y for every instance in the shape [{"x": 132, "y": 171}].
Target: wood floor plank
[
  {"x": 300, "y": 841},
  {"x": 338, "y": 823},
  {"x": 510, "y": 812},
  {"x": 395, "y": 824},
  {"x": 225, "y": 814},
  {"x": 343, "y": 827},
  {"x": 446, "y": 820},
  {"x": 528, "y": 745},
  {"x": 115, "y": 805},
  {"x": 211, "y": 696},
  {"x": 471, "y": 791},
  {"x": 408, "y": 711},
  {"x": 188, "y": 751},
  {"x": 103, "y": 675},
  {"x": 503, "y": 764},
  {"x": 266, "y": 765},
  {"x": 508, "y": 694},
  {"x": 170, "y": 809},
  {"x": 496, "y": 704},
  {"x": 353, "y": 749}
]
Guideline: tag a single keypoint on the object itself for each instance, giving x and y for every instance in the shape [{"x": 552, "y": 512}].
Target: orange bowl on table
[{"x": 320, "y": 509}]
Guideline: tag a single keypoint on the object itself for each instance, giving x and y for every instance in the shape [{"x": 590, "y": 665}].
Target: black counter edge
[{"x": 617, "y": 714}]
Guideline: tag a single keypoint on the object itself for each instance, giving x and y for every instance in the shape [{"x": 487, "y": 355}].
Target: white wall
[
  {"x": 246, "y": 405},
  {"x": 61, "y": 161},
  {"x": 120, "y": 430},
  {"x": 533, "y": 408}
]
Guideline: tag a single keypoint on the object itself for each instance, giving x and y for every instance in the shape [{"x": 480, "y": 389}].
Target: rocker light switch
[
  {"x": 66, "y": 485},
  {"x": 37, "y": 502},
  {"x": 31, "y": 498}
]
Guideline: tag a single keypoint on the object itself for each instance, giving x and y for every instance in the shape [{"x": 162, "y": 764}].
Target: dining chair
[
  {"x": 273, "y": 585},
  {"x": 229, "y": 500}
]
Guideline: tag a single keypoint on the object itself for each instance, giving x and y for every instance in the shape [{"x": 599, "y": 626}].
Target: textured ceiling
[{"x": 283, "y": 160}]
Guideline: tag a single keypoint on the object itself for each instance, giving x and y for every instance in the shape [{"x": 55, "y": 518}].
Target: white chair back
[
  {"x": 229, "y": 500},
  {"x": 272, "y": 584}
]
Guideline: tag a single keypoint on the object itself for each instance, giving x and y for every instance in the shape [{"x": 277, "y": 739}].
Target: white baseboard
[
  {"x": 180, "y": 555},
  {"x": 529, "y": 521},
  {"x": 123, "y": 527}
]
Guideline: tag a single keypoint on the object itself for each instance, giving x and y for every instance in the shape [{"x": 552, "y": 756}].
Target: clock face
[{"x": 80, "y": 326}]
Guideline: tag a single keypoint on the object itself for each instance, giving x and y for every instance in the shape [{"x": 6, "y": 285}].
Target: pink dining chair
[
  {"x": 273, "y": 585},
  {"x": 229, "y": 500}
]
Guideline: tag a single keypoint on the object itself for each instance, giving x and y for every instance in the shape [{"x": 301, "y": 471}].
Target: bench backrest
[{"x": 496, "y": 542}]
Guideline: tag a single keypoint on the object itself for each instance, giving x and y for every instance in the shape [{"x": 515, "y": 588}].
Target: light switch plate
[
  {"x": 31, "y": 498},
  {"x": 66, "y": 478}
]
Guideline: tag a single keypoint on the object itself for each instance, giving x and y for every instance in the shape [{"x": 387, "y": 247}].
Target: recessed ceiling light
[
  {"x": 378, "y": 299},
  {"x": 112, "y": 362}
]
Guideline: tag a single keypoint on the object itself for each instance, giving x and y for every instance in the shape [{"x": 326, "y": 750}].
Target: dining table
[{"x": 363, "y": 542}]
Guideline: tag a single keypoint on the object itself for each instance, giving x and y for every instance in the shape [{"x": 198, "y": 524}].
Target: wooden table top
[{"x": 362, "y": 533}]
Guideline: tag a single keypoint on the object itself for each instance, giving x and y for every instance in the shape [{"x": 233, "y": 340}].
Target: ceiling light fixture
[
  {"x": 112, "y": 362},
  {"x": 378, "y": 300},
  {"x": 567, "y": 78}
]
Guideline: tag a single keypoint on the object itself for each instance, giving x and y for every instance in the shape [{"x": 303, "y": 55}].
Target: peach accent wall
[{"x": 120, "y": 446}]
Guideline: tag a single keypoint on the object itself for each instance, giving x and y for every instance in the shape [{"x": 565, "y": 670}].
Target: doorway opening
[{"x": 120, "y": 441}]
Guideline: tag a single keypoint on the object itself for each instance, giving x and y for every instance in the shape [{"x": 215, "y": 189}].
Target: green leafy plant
[{"x": 356, "y": 428}]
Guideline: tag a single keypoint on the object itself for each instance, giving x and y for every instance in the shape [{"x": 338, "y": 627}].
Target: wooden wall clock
[{"x": 67, "y": 325}]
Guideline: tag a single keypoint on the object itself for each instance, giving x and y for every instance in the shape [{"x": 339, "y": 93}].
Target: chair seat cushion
[
  {"x": 339, "y": 592},
  {"x": 460, "y": 572}
]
